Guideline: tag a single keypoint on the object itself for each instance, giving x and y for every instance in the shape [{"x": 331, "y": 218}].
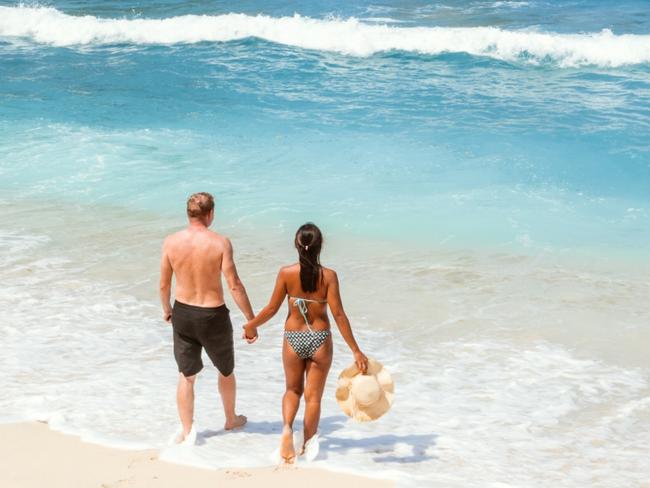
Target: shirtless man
[{"x": 199, "y": 317}]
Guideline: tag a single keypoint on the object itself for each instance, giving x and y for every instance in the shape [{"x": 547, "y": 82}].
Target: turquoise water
[
  {"x": 479, "y": 169},
  {"x": 527, "y": 146}
]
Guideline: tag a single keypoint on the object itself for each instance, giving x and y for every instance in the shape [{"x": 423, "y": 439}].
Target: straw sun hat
[{"x": 365, "y": 397}]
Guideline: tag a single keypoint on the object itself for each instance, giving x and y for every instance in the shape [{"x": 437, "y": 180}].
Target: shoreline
[
  {"x": 35, "y": 456},
  {"x": 507, "y": 336},
  {"x": 601, "y": 258}
]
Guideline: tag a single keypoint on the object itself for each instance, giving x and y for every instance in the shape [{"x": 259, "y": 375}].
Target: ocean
[{"x": 481, "y": 174}]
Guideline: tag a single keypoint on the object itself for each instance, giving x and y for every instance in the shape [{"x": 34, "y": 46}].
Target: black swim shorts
[{"x": 202, "y": 327}]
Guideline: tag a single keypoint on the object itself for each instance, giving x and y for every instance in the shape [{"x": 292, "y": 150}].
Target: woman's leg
[
  {"x": 294, "y": 373},
  {"x": 317, "y": 369}
]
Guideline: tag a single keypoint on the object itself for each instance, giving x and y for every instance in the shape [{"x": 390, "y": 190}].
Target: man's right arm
[
  {"x": 166, "y": 272},
  {"x": 235, "y": 285}
]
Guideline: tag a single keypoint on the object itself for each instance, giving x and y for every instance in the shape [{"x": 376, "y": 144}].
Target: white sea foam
[
  {"x": 510, "y": 4},
  {"x": 348, "y": 36},
  {"x": 478, "y": 401}
]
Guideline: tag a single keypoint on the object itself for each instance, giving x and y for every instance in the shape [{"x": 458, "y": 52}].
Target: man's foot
[
  {"x": 287, "y": 451},
  {"x": 180, "y": 437},
  {"x": 236, "y": 423},
  {"x": 177, "y": 437}
]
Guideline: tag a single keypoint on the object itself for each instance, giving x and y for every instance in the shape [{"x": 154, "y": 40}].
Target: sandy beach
[
  {"x": 34, "y": 456},
  {"x": 479, "y": 171}
]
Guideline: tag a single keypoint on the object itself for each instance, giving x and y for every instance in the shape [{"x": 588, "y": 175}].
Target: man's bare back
[{"x": 197, "y": 256}]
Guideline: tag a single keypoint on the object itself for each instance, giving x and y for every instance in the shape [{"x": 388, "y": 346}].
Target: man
[{"x": 199, "y": 317}]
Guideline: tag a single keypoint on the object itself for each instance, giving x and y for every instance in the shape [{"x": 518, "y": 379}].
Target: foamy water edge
[{"x": 350, "y": 36}]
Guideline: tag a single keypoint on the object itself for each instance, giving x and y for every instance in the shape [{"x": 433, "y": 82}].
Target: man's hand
[
  {"x": 250, "y": 334},
  {"x": 167, "y": 316}
]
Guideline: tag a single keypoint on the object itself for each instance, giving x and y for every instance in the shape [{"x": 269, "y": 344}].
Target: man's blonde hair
[{"x": 199, "y": 205}]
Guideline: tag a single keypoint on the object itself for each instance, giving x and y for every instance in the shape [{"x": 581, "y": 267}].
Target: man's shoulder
[
  {"x": 218, "y": 238},
  {"x": 172, "y": 238},
  {"x": 185, "y": 234}
]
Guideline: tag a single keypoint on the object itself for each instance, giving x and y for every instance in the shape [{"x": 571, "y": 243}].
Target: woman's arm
[
  {"x": 342, "y": 322},
  {"x": 277, "y": 297}
]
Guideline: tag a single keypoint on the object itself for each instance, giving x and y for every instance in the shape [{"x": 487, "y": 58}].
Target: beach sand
[{"x": 34, "y": 456}]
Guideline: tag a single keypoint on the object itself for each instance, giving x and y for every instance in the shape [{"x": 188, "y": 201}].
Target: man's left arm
[
  {"x": 166, "y": 273},
  {"x": 235, "y": 284}
]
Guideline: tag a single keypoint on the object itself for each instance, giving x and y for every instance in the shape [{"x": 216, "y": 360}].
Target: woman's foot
[
  {"x": 299, "y": 442},
  {"x": 236, "y": 422},
  {"x": 311, "y": 448},
  {"x": 287, "y": 451}
]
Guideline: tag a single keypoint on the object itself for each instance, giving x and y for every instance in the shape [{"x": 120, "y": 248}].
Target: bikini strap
[
  {"x": 302, "y": 308},
  {"x": 309, "y": 300}
]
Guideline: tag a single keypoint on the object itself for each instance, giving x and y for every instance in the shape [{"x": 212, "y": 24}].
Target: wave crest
[{"x": 350, "y": 36}]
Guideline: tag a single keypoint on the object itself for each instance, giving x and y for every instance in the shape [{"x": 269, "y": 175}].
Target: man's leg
[
  {"x": 228, "y": 391},
  {"x": 218, "y": 344},
  {"x": 185, "y": 402}
]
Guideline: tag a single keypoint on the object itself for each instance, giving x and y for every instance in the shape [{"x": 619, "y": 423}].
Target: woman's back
[
  {"x": 307, "y": 348},
  {"x": 306, "y": 309}
]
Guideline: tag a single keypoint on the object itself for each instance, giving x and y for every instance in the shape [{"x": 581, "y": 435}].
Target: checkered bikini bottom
[{"x": 306, "y": 342}]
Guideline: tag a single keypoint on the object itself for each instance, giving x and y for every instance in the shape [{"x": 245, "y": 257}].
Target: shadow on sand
[{"x": 387, "y": 448}]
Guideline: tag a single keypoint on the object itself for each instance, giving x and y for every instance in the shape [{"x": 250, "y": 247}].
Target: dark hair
[{"x": 308, "y": 242}]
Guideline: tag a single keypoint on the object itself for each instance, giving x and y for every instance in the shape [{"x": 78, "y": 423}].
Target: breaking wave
[{"x": 347, "y": 36}]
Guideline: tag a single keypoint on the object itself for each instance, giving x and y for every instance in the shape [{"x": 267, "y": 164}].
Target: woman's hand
[
  {"x": 361, "y": 361},
  {"x": 250, "y": 333}
]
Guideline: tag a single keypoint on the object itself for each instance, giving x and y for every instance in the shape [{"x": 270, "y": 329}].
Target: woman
[{"x": 307, "y": 346}]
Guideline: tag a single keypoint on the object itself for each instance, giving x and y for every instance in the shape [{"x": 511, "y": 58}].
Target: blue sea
[{"x": 480, "y": 170}]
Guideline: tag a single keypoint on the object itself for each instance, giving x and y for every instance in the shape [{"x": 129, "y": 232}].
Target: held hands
[
  {"x": 250, "y": 334},
  {"x": 361, "y": 361}
]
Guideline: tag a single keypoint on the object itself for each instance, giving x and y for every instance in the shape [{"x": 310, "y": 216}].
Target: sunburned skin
[{"x": 198, "y": 256}]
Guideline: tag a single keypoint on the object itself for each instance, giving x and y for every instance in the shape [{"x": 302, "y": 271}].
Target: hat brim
[{"x": 347, "y": 402}]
